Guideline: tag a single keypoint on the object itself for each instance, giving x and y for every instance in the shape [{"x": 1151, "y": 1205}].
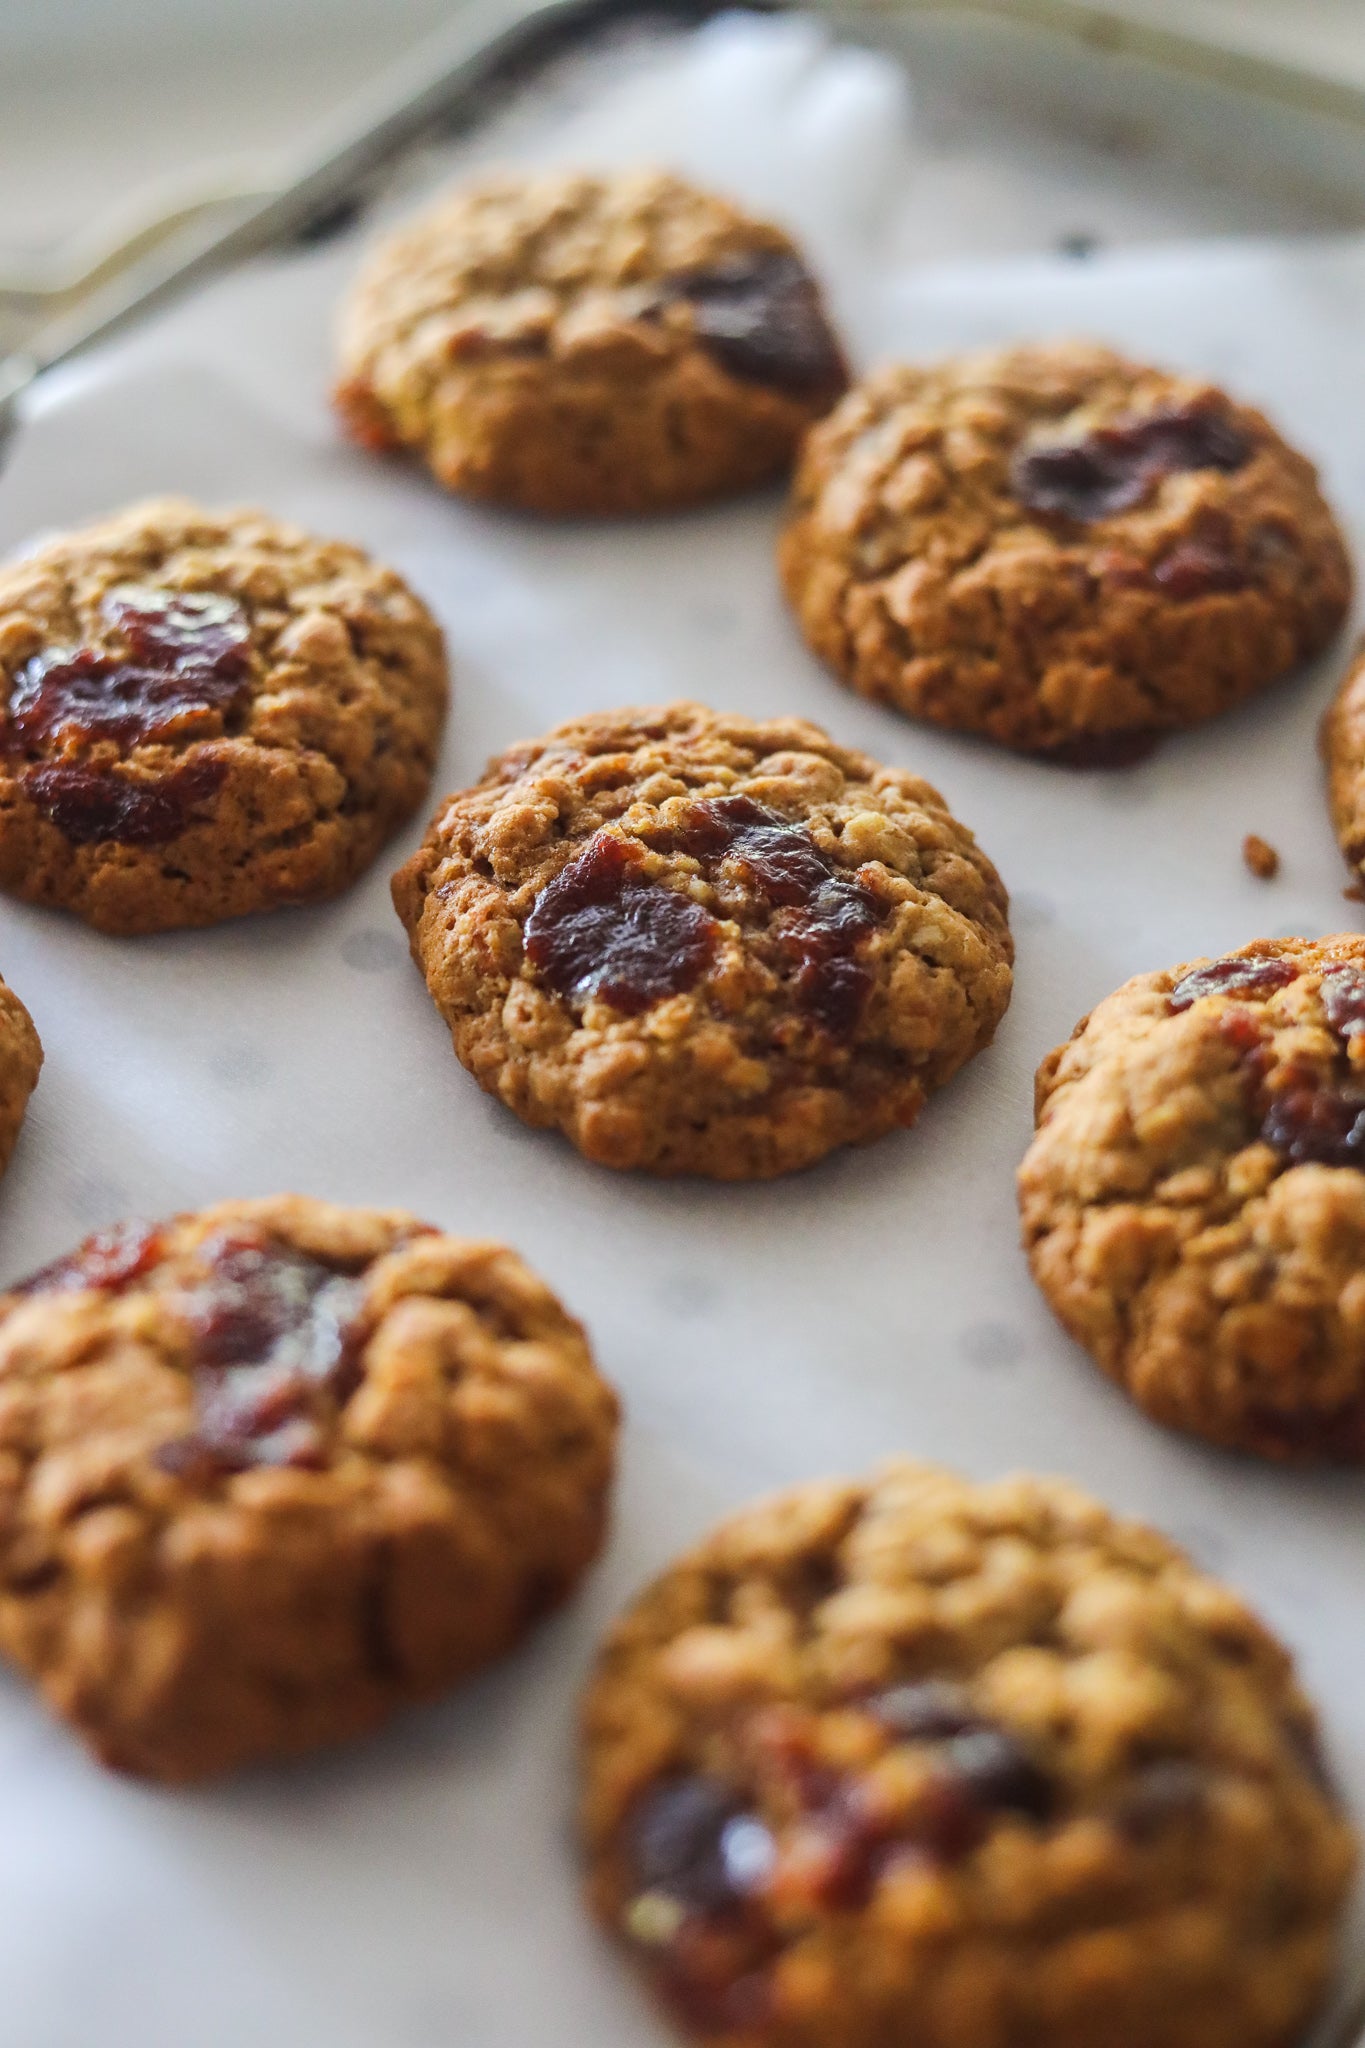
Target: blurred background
[
  {"x": 117, "y": 114},
  {"x": 99, "y": 98}
]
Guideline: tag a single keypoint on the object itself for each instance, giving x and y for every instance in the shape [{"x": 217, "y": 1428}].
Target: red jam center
[
  {"x": 1312, "y": 1121},
  {"x": 185, "y": 665},
  {"x": 1315, "y": 1117},
  {"x": 601, "y": 928},
  {"x": 1199, "y": 568},
  {"x": 823, "y": 911},
  {"x": 1254, "y": 974},
  {"x": 1116, "y": 468},
  {"x": 1343, "y": 1000},
  {"x": 183, "y": 669},
  {"x": 1207, "y": 561},
  {"x": 1308, "y": 1113},
  {"x": 274, "y": 1351},
  {"x": 760, "y": 317},
  {"x": 106, "y": 1261},
  {"x": 89, "y": 804},
  {"x": 702, "y": 1859}
]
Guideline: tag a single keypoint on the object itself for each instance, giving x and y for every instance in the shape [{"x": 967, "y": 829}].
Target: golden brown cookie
[
  {"x": 588, "y": 344},
  {"x": 269, "y": 1472},
  {"x": 204, "y": 714},
  {"x": 21, "y": 1057},
  {"x": 1062, "y": 550},
  {"x": 1343, "y": 745},
  {"x": 701, "y": 943},
  {"x": 1194, "y": 1201},
  {"x": 917, "y": 1761}
]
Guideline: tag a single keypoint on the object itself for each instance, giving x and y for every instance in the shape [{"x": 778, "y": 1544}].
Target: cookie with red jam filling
[
  {"x": 1061, "y": 550},
  {"x": 272, "y": 1471},
  {"x": 700, "y": 943},
  {"x": 916, "y": 1760},
  {"x": 204, "y": 714},
  {"x": 1193, "y": 1203},
  {"x": 588, "y": 344}
]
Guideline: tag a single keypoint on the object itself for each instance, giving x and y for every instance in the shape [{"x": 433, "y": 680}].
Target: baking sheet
[{"x": 420, "y": 1889}]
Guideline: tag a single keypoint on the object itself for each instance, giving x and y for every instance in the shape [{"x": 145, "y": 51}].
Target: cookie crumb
[{"x": 1261, "y": 857}]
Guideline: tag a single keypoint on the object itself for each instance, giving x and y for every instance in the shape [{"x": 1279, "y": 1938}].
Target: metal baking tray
[
  {"x": 1043, "y": 126},
  {"x": 1103, "y": 75}
]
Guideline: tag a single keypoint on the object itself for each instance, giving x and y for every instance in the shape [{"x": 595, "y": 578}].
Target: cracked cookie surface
[
  {"x": 21, "y": 1057},
  {"x": 205, "y": 714},
  {"x": 1059, "y": 549},
  {"x": 270, "y": 1471},
  {"x": 1193, "y": 1203},
  {"x": 588, "y": 344},
  {"x": 973, "y": 1766},
  {"x": 700, "y": 943}
]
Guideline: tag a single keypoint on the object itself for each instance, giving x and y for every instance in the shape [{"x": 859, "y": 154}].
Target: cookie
[
  {"x": 700, "y": 943},
  {"x": 21, "y": 1056},
  {"x": 271, "y": 1471},
  {"x": 204, "y": 714},
  {"x": 966, "y": 1766},
  {"x": 1194, "y": 1201},
  {"x": 588, "y": 344},
  {"x": 1058, "y": 549},
  {"x": 1343, "y": 745}
]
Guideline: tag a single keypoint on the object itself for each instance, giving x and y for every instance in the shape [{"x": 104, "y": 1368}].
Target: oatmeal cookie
[
  {"x": 1062, "y": 550},
  {"x": 959, "y": 1765},
  {"x": 204, "y": 714},
  {"x": 1194, "y": 1201},
  {"x": 1343, "y": 745},
  {"x": 588, "y": 344},
  {"x": 704, "y": 944},
  {"x": 270, "y": 1471},
  {"x": 21, "y": 1056}
]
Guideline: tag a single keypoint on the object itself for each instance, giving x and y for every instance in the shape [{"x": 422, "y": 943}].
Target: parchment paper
[{"x": 419, "y": 1889}]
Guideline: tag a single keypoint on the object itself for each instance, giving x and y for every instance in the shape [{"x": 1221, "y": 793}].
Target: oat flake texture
[
  {"x": 573, "y": 343},
  {"x": 1058, "y": 548},
  {"x": 204, "y": 714},
  {"x": 271, "y": 1471},
  {"x": 828, "y": 961},
  {"x": 1193, "y": 1203},
  {"x": 912, "y": 1760}
]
